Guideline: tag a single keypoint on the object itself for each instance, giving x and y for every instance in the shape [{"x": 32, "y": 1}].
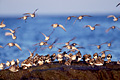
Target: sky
[{"x": 58, "y": 7}]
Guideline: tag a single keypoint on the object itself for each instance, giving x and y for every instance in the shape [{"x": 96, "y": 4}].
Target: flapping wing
[
  {"x": 2, "y": 21},
  {"x": 16, "y": 28},
  {"x": 27, "y": 13},
  {"x": 108, "y": 29},
  {"x": 117, "y": 4},
  {"x": 111, "y": 16},
  {"x": 18, "y": 46},
  {"x": 52, "y": 32},
  {"x": 72, "y": 39},
  {"x": 62, "y": 27},
  {"x": 8, "y": 34},
  {"x": 35, "y": 11},
  {"x": 87, "y": 26},
  {"x": 8, "y": 29},
  {"x": 97, "y": 24},
  {"x": 86, "y": 15},
  {"x": 43, "y": 34}
]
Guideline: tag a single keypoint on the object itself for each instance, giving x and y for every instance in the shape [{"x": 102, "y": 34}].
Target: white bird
[{"x": 2, "y": 25}]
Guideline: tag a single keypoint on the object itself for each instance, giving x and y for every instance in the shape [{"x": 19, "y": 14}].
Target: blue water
[{"x": 29, "y": 34}]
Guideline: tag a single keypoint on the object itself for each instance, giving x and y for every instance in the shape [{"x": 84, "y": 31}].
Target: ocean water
[{"x": 29, "y": 34}]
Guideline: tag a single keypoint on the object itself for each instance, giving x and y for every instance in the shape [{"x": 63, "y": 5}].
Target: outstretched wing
[
  {"x": 2, "y": 21},
  {"x": 18, "y": 46},
  {"x": 97, "y": 24},
  {"x": 43, "y": 34},
  {"x": 117, "y": 4},
  {"x": 86, "y": 15},
  {"x": 8, "y": 34},
  {"x": 8, "y": 29},
  {"x": 72, "y": 39},
  {"x": 1, "y": 46},
  {"x": 35, "y": 11},
  {"x": 108, "y": 29},
  {"x": 62, "y": 27},
  {"x": 111, "y": 16},
  {"x": 52, "y": 32}
]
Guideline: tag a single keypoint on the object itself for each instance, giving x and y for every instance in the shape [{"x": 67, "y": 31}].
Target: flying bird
[
  {"x": 10, "y": 34},
  {"x": 81, "y": 17},
  {"x": 69, "y": 18},
  {"x": 47, "y": 37},
  {"x": 114, "y": 18},
  {"x": 13, "y": 44},
  {"x": 12, "y": 31},
  {"x": 113, "y": 27},
  {"x": 2, "y": 25},
  {"x": 92, "y": 28},
  {"x": 24, "y": 18},
  {"x": 31, "y": 14},
  {"x": 58, "y": 25}
]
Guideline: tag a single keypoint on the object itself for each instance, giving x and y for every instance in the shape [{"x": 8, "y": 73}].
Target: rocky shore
[{"x": 56, "y": 71}]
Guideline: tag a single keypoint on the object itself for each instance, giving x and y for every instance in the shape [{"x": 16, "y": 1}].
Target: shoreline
[{"x": 78, "y": 70}]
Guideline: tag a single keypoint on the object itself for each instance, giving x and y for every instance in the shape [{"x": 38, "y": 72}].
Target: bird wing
[
  {"x": 108, "y": 29},
  {"x": 43, "y": 34},
  {"x": 16, "y": 28},
  {"x": 86, "y": 15},
  {"x": 8, "y": 29},
  {"x": 87, "y": 26},
  {"x": 2, "y": 21},
  {"x": 18, "y": 46},
  {"x": 118, "y": 28},
  {"x": 1, "y": 46},
  {"x": 62, "y": 27},
  {"x": 117, "y": 4},
  {"x": 97, "y": 25},
  {"x": 111, "y": 16},
  {"x": 29, "y": 51},
  {"x": 8, "y": 34},
  {"x": 55, "y": 41},
  {"x": 72, "y": 39},
  {"x": 27, "y": 13},
  {"x": 35, "y": 11},
  {"x": 52, "y": 32},
  {"x": 34, "y": 50}
]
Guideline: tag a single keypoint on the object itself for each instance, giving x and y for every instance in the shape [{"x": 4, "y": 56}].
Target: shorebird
[
  {"x": 118, "y": 62},
  {"x": 31, "y": 14},
  {"x": 99, "y": 61},
  {"x": 95, "y": 56},
  {"x": 59, "y": 57},
  {"x": 114, "y": 18},
  {"x": 14, "y": 68},
  {"x": 41, "y": 43},
  {"x": 11, "y": 34},
  {"x": 113, "y": 27},
  {"x": 32, "y": 53},
  {"x": 2, "y": 66},
  {"x": 58, "y": 25},
  {"x": 12, "y": 31},
  {"x": 109, "y": 43},
  {"x": 7, "y": 63},
  {"x": 98, "y": 46},
  {"x": 13, "y": 44},
  {"x": 51, "y": 46},
  {"x": 92, "y": 61},
  {"x": 86, "y": 57},
  {"x": 53, "y": 57},
  {"x": 12, "y": 62},
  {"x": 47, "y": 37},
  {"x": 69, "y": 18},
  {"x": 103, "y": 54},
  {"x": 117, "y": 4},
  {"x": 78, "y": 56},
  {"x": 24, "y": 18},
  {"x": 109, "y": 56},
  {"x": 2, "y": 25},
  {"x": 81, "y": 17},
  {"x": 67, "y": 43},
  {"x": 92, "y": 28}
]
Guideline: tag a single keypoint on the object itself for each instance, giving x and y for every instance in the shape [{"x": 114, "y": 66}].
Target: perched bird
[
  {"x": 114, "y": 18},
  {"x": 7, "y": 63},
  {"x": 13, "y": 44},
  {"x": 92, "y": 28},
  {"x": 58, "y": 25},
  {"x": 95, "y": 56},
  {"x": 2, "y": 25},
  {"x": 117, "y": 4},
  {"x": 32, "y": 15},
  {"x": 12, "y": 62},
  {"x": 81, "y": 17},
  {"x": 14, "y": 68},
  {"x": 113, "y": 27},
  {"x": 118, "y": 62},
  {"x": 47, "y": 37},
  {"x": 103, "y": 54},
  {"x": 2, "y": 66},
  {"x": 24, "y": 18},
  {"x": 99, "y": 61},
  {"x": 109, "y": 56}
]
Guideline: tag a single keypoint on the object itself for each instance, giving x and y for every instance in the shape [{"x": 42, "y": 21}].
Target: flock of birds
[{"x": 64, "y": 57}]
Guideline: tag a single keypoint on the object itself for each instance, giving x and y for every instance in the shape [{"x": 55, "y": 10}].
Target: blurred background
[{"x": 54, "y": 11}]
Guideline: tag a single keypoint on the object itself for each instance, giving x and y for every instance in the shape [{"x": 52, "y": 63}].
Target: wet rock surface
[{"x": 56, "y": 71}]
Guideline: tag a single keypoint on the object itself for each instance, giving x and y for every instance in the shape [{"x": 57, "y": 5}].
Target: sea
[{"x": 30, "y": 31}]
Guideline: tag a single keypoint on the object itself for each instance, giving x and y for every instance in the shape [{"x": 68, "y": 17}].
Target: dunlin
[
  {"x": 98, "y": 46},
  {"x": 31, "y": 14},
  {"x": 2, "y": 25},
  {"x": 47, "y": 37},
  {"x": 13, "y": 44},
  {"x": 114, "y": 18},
  {"x": 14, "y": 68},
  {"x": 11, "y": 34},
  {"x": 12, "y": 31},
  {"x": 58, "y": 25},
  {"x": 24, "y": 18},
  {"x": 67, "y": 43},
  {"x": 92, "y": 28},
  {"x": 7, "y": 63},
  {"x": 2, "y": 66},
  {"x": 51, "y": 46},
  {"x": 81, "y": 17},
  {"x": 113, "y": 27}
]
